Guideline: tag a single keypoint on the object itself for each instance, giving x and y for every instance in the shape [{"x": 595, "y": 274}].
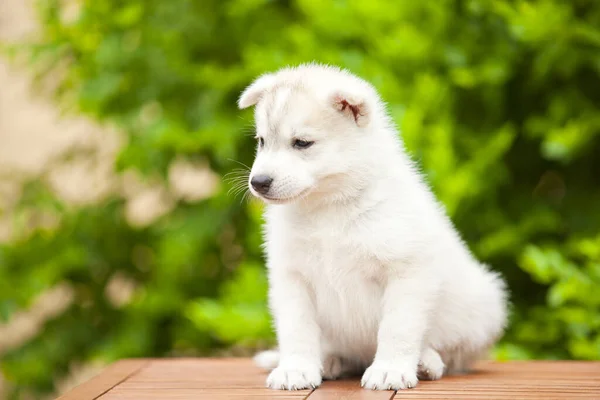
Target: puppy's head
[{"x": 311, "y": 124}]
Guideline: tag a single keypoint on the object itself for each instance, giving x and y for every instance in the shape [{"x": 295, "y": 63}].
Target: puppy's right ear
[{"x": 254, "y": 92}]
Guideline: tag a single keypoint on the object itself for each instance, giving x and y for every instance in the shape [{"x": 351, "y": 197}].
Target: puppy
[{"x": 365, "y": 269}]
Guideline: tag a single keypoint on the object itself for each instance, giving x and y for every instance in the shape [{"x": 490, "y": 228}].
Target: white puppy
[{"x": 365, "y": 268}]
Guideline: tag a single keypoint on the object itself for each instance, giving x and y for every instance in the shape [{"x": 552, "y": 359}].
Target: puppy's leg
[
  {"x": 297, "y": 333},
  {"x": 336, "y": 367},
  {"x": 333, "y": 367},
  {"x": 460, "y": 360},
  {"x": 407, "y": 303}
]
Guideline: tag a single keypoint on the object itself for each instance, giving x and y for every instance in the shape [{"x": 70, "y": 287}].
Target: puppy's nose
[{"x": 261, "y": 183}]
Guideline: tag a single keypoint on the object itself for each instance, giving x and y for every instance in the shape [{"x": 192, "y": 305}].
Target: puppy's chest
[
  {"x": 337, "y": 257},
  {"x": 345, "y": 278},
  {"x": 338, "y": 275},
  {"x": 347, "y": 284},
  {"x": 334, "y": 254}
]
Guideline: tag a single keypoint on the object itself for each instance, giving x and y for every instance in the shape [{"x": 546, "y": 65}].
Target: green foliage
[
  {"x": 497, "y": 100},
  {"x": 238, "y": 316}
]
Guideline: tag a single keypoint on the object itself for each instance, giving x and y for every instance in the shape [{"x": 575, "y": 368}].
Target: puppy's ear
[
  {"x": 351, "y": 106},
  {"x": 252, "y": 94}
]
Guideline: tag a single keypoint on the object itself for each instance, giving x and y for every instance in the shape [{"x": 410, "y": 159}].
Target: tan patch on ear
[
  {"x": 355, "y": 109},
  {"x": 352, "y": 107}
]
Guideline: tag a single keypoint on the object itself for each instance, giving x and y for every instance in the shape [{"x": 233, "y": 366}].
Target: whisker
[
  {"x": 236, "y": 175},
  {"x": 247, "y": 196},
  {"x": 238, "y": 186},
  {"x": 249, "y": 128},
  {"x": 236, "y": 181},
  {"x": 239, "y": 183},
  {"x": 240, "y": 163}
]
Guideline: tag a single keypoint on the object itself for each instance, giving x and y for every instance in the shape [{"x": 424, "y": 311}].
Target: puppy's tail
[{"x": 267, "y": 359}]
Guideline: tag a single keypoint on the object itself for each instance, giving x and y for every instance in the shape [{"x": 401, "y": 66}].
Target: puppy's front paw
[
  {"x": 388, "y": 376},
  {"x": 295, "y": 377}
]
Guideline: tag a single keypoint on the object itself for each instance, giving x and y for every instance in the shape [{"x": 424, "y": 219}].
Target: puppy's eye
[
  {"x": 302, "y": 144},
  {"x": 261, "y": 142}
]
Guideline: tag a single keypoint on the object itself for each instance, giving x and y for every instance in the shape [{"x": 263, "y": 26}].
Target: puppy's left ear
[
  {"x": 353, "y": 107},
  {"x": 252, "y": 94}
]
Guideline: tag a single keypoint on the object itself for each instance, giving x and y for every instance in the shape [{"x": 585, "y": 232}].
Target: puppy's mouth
[{"x": 281, "y": 200}]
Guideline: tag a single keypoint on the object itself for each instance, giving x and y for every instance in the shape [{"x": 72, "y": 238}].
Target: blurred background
[{"x": 120, "y": 235}]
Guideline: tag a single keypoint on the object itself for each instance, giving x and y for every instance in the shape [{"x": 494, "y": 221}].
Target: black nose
[{"x": 261, "y": 183}]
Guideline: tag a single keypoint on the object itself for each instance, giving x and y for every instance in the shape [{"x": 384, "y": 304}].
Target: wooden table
[{"x": 218, "y": 379}]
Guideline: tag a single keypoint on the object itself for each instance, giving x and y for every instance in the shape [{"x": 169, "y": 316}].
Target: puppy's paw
[
  {"x": 268, "y": 359},
  {"x": 295, "y": 376},
  {"x": 388, "y": 376},
  {"x": 431, "y": 366}
]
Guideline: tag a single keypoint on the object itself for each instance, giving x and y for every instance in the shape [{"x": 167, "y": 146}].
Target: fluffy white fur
[{"x": 366, "y": 271}]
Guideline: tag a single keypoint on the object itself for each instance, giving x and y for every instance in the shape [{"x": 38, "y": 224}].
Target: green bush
[{"x": 497, "y": 100}]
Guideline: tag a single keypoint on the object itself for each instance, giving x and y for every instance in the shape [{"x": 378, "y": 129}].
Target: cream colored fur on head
[{"x": 367, "y": 274}]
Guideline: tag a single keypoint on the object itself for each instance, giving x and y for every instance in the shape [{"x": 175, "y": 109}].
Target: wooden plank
[
  {"x": 348, "y": 390},
  {"x": 515, "y": 380},
  {"x": 221, "y": 379},
  {"x": 199, "y": 394},
  {"x": 194, "y": 378},
  {"x": 106, "y": 380}
]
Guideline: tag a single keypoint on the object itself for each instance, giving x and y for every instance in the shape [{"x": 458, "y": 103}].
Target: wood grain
[
  {"x": 199, "y": 379},
  {"x": 105, "y": 381},
  {"x": 348, "y": 390},
  {"x": 516, "y": 380},
  {"x": 220, "y": 379}
]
